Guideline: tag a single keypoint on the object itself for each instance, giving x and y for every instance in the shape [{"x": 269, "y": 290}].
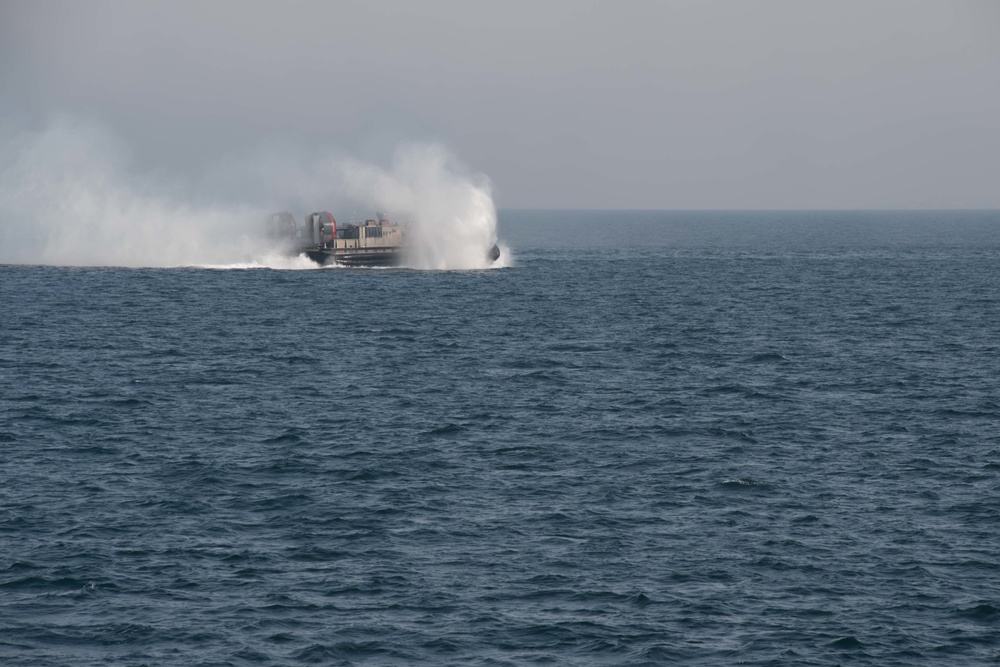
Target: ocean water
[{"x": 657, "y": 438}]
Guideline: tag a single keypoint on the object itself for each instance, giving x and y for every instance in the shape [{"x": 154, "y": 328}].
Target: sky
[{"x": 661, "y": 104}]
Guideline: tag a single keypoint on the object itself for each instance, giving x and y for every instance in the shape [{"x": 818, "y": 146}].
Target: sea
[{"x": 652, "y": 437}]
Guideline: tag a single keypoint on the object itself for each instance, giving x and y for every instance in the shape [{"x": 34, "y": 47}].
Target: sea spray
[
  {"x": 451, "y": 215},
  {"x": 68, "y": 197}
]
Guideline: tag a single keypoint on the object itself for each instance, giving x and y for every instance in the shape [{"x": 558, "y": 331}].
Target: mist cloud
[{"x": 69, "y": 195}]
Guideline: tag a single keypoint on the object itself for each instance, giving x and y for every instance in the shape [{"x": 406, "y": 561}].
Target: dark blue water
[{"x": 695, "y": 438}]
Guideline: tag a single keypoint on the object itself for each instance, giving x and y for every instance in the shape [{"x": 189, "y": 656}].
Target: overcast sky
[{"x": 563, "y": 104}]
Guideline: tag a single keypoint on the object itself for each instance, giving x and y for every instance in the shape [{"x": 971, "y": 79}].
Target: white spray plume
[
  {"x": 451, "y": 213},
  {"x": 68, "y": 198}
]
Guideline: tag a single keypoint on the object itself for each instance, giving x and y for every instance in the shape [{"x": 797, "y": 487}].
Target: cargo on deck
[{"x": 374, "y": 243}]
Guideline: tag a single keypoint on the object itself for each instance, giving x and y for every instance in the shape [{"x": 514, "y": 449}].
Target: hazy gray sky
[{"x": 583, "y": 103}]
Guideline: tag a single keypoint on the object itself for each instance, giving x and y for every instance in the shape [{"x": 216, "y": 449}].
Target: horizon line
[{"x": 754, "y": 210}]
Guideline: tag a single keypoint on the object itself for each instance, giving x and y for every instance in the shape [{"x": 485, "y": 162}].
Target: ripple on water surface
[{"x": 692, "y": 455}]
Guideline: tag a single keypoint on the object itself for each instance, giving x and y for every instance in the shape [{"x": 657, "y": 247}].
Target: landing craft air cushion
[{"x": 375, "y": 243}]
